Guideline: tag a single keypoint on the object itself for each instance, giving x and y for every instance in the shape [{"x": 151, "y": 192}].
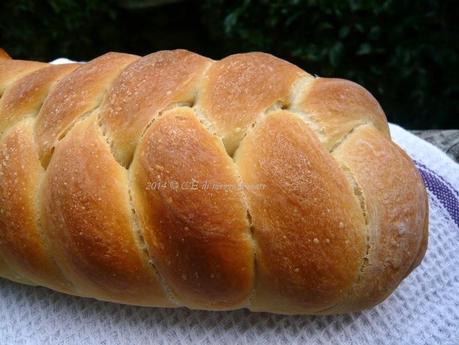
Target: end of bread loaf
[
  {"x": 4, "y": 55},
  {"x": 175, "y": 180}
]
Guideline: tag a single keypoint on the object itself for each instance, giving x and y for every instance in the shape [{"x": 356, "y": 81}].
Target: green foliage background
[{"x": 405, "y": 52}]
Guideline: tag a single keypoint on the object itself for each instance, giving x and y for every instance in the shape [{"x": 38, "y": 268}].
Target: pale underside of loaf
[{"x": 175, "y": 180}]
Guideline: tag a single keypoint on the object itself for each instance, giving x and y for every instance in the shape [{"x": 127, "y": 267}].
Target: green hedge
[{"x": 404, "y": 52}]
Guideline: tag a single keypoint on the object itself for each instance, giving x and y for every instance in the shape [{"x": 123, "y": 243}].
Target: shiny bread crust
[{"x": 175, "y": 180}]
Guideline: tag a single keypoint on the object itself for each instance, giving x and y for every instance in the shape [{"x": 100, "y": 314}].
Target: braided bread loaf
[{"x": 175, "y": 180}]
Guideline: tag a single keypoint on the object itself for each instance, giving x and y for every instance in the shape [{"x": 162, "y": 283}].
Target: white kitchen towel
[{"x": 423, "y": 310}]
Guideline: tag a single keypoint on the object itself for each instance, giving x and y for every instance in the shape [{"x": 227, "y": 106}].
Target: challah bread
[{"x": 174, "y": 180}]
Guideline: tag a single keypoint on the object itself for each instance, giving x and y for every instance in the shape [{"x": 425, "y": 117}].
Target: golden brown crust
[
  {"x": 307, "y": 223},
  {"x": 21, "y": 243},
  {"x": 145, "y": 88},
  {"x": 395, "y": 202},
  {"x": 89, "y": 219},
  {"x": 192, "y": 213},
  {"x": 337, "y": 106},
  {"x": 240, "y": 87},
  {"x": 12, "y": 70},
  {"x": 77, "y": 94},
  {"x": 317, "y": 212},
  {"x": 6, "y": 272},
  {"x": 4, "y": 55},
  {"x": 25, "y": 97}
]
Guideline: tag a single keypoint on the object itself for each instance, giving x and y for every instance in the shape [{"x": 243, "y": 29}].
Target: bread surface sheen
[{"x": 175, "y": 180}]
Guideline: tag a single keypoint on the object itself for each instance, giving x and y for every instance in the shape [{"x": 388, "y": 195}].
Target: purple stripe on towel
[{"x": 445, "y": 193}]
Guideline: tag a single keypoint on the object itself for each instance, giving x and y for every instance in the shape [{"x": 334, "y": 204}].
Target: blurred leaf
[
  {"x": 364, "y": 49},
  {"x": 335, "y": 54},
  {"x": 344, "y": 32}
]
